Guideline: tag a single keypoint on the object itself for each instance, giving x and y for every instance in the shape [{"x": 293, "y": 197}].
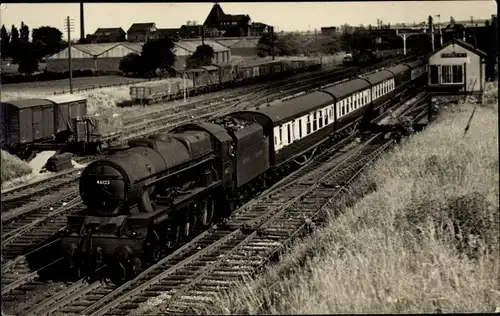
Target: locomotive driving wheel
[
  {"x": 153, "y": 248},
  {"x": 207, "y": 214}
]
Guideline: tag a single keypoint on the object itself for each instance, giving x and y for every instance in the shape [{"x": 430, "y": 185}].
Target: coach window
[
  {"x": 281, "y": 135},
  {"x": 300, "y": 128},
  {"x": 315, "y": 121},
  {"x": 326, "y": 117},
  {"x": 289, "y": 133},
  {"x": 320, "y": 119},
  {"x": 308, "y": 129}
]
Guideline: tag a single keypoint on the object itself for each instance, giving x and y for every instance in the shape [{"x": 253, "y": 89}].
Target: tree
[
  {"x": 264, "y": 44},
  {"x": 291, "y": 44},
  {"x": 202, "y": 56},
  {"x": 24, "y": 32},
  {"x": 5, "y": 42},
  {"x": 157, "y": 54},
  {"x": 14, "y": 44},
  {"x": 327, "y": 45},
  {"x": 52, "y": 38},
  {"x": 131, "y": 64},
  {"x": 28, "y": 58}
]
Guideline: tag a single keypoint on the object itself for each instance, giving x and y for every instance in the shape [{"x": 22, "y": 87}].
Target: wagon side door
[
  {"x": 61, "y": 117},
  {"x": 37, "y": 124},
  {"x": 47, "y": 121},
  {"x": 25, "y": 127}
]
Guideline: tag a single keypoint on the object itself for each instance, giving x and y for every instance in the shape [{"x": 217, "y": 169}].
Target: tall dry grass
[
  {"x": 423, "y": 236},
  {"x": 13, "y": 167}
]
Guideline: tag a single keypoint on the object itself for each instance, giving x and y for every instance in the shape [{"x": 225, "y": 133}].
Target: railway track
[
  {"x": 81, "y": 292},
  {"x": 26, "y": 231},
  {"x": 20, "y": 225},
  {"x": 225, "y": 250},
  {"x": 69, "y": 181},
  {"x": 253, "y": 98},
  {"x": 33, "y": 193},
  {"x": 80, "y": 297}
]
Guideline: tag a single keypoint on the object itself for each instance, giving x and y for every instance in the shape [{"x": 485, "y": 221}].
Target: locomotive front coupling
[{"x": 103, "y": 245}]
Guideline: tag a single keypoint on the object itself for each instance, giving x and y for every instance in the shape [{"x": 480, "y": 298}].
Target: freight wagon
[
  {"x": 50, "y": 123},
  {"x": 217, "y": 77}
]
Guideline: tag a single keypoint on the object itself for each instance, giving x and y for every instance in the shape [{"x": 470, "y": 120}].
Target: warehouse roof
[
  {"x": 190, "y": 46},
  {"x": 135, "y": 46},
  {"x": 95, "y": 49}
]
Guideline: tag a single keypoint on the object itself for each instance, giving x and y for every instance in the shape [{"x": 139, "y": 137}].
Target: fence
[{"x": 109, "y": 85}]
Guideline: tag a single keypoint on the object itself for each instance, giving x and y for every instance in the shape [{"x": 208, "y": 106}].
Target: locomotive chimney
[{"x": 82, "y": 24}]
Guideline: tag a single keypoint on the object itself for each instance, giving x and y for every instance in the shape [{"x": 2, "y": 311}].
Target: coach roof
[
  {"x": 287, "y": 110},
  {"x": 344, "y": 89}
]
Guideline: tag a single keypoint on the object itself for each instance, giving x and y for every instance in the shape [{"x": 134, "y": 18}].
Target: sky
[{"x": 285, "y": 16}]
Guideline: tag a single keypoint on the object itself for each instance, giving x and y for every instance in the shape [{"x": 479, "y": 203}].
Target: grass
[
  {"x": 418, "y": 232},
  {"x": 63, "y": 84},
  {"x": 13, "y": 167}
]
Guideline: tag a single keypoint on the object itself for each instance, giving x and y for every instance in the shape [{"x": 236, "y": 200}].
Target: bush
[{"x": 13, "y": 167}]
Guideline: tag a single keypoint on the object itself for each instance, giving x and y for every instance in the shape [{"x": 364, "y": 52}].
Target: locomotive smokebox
[{"x": 109, "y": 185}]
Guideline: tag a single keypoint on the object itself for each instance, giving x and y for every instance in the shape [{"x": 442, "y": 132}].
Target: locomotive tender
[{"x": 147, "y": 198}]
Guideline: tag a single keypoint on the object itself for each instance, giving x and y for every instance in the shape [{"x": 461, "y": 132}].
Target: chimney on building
[{"x": 82, "y": 23}]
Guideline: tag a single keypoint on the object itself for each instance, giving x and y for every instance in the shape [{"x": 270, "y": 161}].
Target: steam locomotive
[{"x": 146, "y": 199}]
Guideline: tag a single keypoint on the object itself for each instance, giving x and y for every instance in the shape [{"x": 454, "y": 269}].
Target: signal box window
[
  {"x": 452, "y": 74},
  {"x": 434, "y": 73}
]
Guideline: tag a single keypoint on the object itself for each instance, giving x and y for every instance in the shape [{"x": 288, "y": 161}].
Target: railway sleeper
[{"x": 150, "y": 294}]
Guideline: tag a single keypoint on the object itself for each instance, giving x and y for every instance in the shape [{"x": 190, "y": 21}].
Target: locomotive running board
[{"x": 184, "y": 167}]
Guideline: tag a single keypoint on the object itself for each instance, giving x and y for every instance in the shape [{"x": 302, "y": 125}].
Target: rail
[{"x": 96, "y": 297}]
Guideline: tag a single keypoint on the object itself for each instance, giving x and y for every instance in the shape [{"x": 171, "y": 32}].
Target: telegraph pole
[
  {"x": 272, "y": 41},
  {"x": 69, "y": 27}
]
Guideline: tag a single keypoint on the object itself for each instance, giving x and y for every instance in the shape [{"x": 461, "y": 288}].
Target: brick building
[
  {"x": 141, "y": 32},
  {"x": 107, "y": 35}
]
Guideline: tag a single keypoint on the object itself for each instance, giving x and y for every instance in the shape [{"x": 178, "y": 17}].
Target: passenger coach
[{"x": 297, "y": 125}]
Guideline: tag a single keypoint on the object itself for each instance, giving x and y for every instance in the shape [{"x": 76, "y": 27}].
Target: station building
[{"x": 457, "y": 68}]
